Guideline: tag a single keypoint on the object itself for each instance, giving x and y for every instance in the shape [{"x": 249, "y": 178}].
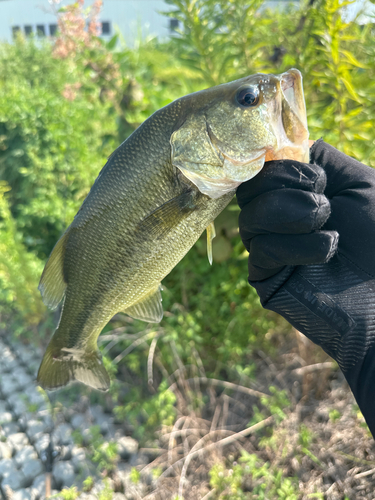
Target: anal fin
[
  {"x": 148, "y": 309},
  {"x": 211, "y": 233}
]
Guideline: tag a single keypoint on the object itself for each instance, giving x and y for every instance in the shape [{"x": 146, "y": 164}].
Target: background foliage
[{"x": 64, "y": 110}]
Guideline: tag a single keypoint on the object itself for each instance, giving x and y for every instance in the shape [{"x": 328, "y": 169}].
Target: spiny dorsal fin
[
  {"x": 148, "y": 309},
  {"x": 211, "y": 233},
  {"x": 52, "y": 285}
]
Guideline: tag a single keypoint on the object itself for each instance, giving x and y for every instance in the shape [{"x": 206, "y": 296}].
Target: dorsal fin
[
  {"x": 52, "y": 285},
  {"x": 148, "y": 309}
]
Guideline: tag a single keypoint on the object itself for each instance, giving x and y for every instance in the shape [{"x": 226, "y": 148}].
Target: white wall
[{"x": 127, "y": 16}]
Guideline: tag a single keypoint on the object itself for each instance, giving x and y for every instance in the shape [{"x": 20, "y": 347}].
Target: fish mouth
[
  {"x": 291, "y": 126},
  {"x": 294, "y": 108}
]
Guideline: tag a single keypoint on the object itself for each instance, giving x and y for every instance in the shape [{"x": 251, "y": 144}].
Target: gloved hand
[{"x": 310, "y": 231}]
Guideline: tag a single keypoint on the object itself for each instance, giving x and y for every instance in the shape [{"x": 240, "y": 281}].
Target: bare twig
[
  {"x": 209, "y": 494},
  {"x": 227, "y": 385},
  {"x": 313, "y": 368},
  {"x": 223, "y": 442},
  {"x": 224, "y": 415},
  {"x": 215, "y": 418},
  {"x": 135, "y": 344},
  {"x": 364, "y": 474}
]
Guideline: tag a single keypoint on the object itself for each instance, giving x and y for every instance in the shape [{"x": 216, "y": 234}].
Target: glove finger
[
  {"x": 343, "y": 172},
  {"x": 271, "y": 252},
  {"x": 284, "y": 211},
  {"x": 280, "y": 174}
]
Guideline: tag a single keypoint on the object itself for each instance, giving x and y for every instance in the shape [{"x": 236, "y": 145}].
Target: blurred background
[{"x": 76, "y": 79}]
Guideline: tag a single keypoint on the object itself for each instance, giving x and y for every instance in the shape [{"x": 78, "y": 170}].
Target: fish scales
[{"x": 152, "y": 200}]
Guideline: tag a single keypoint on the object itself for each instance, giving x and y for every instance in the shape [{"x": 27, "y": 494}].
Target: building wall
[{"x": 130, "y": 17}]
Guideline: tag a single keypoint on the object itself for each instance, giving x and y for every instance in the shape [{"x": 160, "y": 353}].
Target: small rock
[
  {"x": 103, "y": 420},
  {"x": 78, "y": 457},
  {"x": 26, "y": 453},
  {"x": 22, "y": 378},
  {"x": 5, "y": 451},
  {"x": 31, "y": 469},
  {"x": 19, "y": 407},
  {"x": 35, "y": 397},
  {"x": 127, "y": 447},
  {"x": 47, "y": 420},
  {"x": 79, "y": 421},
  {"x": 42, "y": 443},
  {"x": 139, "y": 459},
  {"x": 38, "y": 488},
  {"x": 3, "y": 407},
  {"x": 6, "y": 466},
  {"x": 34, "y": 429},
  {"x": 86, "y": 437},
  {"x": 9, "y": 385},
  {"x": 22, "y": 494},
  {"x": 62, "y": 434},
  {"x": 26, "y": 356},
  {"x": 63, "y": 474},
  {"x": 65, "y": 452},
  {"x": 18, "y": 440},
  {"x": 15, "y": 480},
  {"x": 96, "y": 412},
  {"x": 119, "y": 496},
  {"x": 5, "y": 417},
  {"x": 10, "y": 428}
]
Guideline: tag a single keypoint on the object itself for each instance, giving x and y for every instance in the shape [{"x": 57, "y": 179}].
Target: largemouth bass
[{"x": 152, "y": 200}]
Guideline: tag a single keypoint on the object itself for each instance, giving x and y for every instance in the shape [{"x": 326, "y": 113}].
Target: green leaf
[
  {"x": 350, "y": 89},
  {"x": 350, "y": 57}
]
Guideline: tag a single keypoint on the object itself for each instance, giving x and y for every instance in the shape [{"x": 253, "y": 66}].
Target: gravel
[
  {"x": 14, "y": 479},
  {"x": 38, "y": 487},
  {"x": 63, "y": 474},
  {"x": 18, "y": 440},
  {"x": 31, "y": 469},
  {"x": 25, "y": 426},
  {"x": 62, "y": 434},
  {"x": 34, "y": 429},
  {"x": 22, "y": 494},
  {"x": 25, "y": 454},
  {"x": 127, "y": 447},
  {"x": 5, "y": 451}
]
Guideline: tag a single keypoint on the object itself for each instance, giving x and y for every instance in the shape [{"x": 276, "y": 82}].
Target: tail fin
[{"x": 62, "y": 366}]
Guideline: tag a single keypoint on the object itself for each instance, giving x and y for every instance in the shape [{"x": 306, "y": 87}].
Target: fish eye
[{"x": 248, "y": 96}]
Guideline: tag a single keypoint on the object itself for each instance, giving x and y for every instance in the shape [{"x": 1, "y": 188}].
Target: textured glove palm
[{"x": 310, "y": 231}]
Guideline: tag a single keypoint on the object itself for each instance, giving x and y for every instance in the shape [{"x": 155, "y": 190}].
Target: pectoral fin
[
  {"x": 148, "y": 309},
  {"x": 161, "y": 221},
  {"x": 211, "y": 233}
]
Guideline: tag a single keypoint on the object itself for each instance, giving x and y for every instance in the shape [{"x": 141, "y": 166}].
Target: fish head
[{"x": 231, "y": 130}]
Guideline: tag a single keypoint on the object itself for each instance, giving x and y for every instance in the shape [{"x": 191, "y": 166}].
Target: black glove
[{"x": 310, "y": 231}]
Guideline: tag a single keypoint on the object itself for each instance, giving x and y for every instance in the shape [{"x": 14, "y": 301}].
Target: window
[
  {"x": 173, "y": 24},
  {"x": 106, "y": 28},
  {"x": 41, "y": 31},
  {"x": 15, "y": 31},
  {"x": 52, "y": 29},
  {"x": 28, "y": 30}
]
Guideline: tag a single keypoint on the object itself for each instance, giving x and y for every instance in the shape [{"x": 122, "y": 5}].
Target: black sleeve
[{"x": 315, "y": 266}]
